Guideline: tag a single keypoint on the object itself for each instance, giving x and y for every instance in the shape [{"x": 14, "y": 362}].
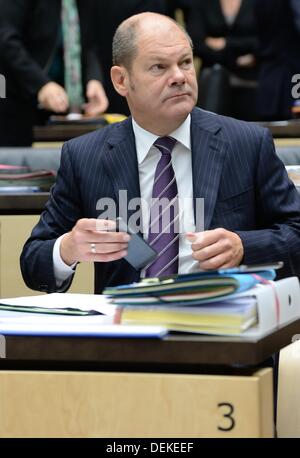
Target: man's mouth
[{"x": 175, "y": 96}]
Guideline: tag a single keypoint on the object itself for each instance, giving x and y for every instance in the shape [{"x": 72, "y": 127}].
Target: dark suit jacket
[
  {"x": 28, "y": 36},
  {"x": 235, "y": 169},
  {"x": 279, "y": 52},
  {"x": 204, "y": 18}
]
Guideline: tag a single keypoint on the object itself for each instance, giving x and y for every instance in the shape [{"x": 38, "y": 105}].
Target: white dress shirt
[{"x": 148, "y": 157}]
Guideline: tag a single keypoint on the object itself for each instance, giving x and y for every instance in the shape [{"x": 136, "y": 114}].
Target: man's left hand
[
  {"x": 217, "y": 44},
  {"x": 216, "y": 249},
  {"x": 97, "y": 100}
]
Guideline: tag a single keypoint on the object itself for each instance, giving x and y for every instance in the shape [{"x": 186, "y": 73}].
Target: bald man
[{"x": 170, "y": 149}]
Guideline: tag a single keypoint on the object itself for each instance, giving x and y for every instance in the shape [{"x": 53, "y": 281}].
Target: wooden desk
[
  {"x": 55, "y": 133},
  {"x": 87, "y": 387},
  {"x": 174, "y": 352},
  {"x": 62, "y": 132},
  {"x": 175, "y": 387},
  {"x": 22, "y": 204},
  {"x": 283, "y": 129},
  {"x": 71, "y": 129}
]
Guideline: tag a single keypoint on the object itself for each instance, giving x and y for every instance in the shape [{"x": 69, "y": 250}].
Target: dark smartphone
[{"x": 140, "y": 254}]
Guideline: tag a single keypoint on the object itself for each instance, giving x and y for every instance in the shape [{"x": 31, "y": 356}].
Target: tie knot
[{"x": 165, "y": 144}]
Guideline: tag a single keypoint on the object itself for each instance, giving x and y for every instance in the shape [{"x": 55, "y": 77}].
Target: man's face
[{"x": 161, "y": 84}]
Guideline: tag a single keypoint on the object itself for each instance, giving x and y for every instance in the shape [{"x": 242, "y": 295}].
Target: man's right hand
[
  {"x": 217, "y": 44},
  {"x": 93, "y": 240},
  {"x": 53, "y": 97}
]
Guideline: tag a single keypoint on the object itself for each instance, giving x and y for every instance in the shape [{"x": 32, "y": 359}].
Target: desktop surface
[{"x": 173, "y": 352}]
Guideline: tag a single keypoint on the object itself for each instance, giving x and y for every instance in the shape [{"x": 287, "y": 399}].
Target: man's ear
[{"x": 119, "y": 77}]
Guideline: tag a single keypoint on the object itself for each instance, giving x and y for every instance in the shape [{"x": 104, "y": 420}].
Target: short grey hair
[{"x": 124, "y": 44}]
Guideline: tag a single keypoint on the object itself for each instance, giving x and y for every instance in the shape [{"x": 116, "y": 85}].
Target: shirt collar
[{"x": 145, "y": 139}]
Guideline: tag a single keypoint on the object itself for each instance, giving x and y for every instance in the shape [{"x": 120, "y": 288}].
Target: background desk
[
  {"x": 62, "y": 132},
  {"x": 18, "y": 216},
  {"x": 283, "y": 129},
  {"x": 87, "y": 387}
]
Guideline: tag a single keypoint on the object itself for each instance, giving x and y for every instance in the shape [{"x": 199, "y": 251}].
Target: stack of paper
[
  {"x": 249, "y": 314},
  {"x": 227, "y": 317},
  {"x": 203, "y": 302}
]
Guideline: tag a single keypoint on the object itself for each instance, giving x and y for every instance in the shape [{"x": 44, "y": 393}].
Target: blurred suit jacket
[
  {"x": 205, "y": 18},
  {"x": 28, "y": 38},
  {"x": 278, "y": 26},
  {"x": 235, "y": 169}
]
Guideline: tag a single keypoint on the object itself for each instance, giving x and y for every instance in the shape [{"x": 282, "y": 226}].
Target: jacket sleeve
[
  {"x": 14, "y": 19},
  {"x": 278, "y": 214},
  {"x": 61, "y": 214},
  {"x": 199, "y": 30},
  {"x": 295, "y": 7}
]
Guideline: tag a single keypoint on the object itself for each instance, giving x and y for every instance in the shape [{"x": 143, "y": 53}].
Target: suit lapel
[
  {"x": 208, "y": 153},
  {"x": 121, "y": 166}
]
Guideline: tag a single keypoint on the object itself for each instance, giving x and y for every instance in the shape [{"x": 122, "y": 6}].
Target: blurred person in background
[
  {"x": 48, "y": 57},
  {"x": 224, "y": 33},
  {"x": 279, "y": 56},
  {"x": 109, "y": 15}
]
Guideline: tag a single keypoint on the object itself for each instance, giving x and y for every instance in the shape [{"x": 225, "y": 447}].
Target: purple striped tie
[{"x": 163, "y": 227}]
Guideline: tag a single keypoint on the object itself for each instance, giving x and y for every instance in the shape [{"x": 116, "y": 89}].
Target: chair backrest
[
  {"x": 34, "y": 158},
  {"x": 288, "y": 404},
  {"x": 290, "y": 155},
  {"x": 214, "y": 90}
]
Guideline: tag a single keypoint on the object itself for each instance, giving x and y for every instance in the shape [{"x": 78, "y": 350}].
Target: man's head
[{"x": 153, "y": 68}]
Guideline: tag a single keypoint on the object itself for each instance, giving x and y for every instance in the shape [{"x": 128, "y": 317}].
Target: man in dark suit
[
  {"x": 251, "y": 209},
  {"x": 29, "y": 39},
  {"x": 278, "y": 26}
]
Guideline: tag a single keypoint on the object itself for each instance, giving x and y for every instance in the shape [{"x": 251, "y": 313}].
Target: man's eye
[
  {"x": 157, "y": 67},
  {"x": 187, "y": 63}
]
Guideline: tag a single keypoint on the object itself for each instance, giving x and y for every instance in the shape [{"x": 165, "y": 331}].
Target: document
[
  {"x": 60, "y": 303},
  {"x": 62, "y": 314},
  {"x": 90, "y": 326},
  {"x": 187, "y": 289}
]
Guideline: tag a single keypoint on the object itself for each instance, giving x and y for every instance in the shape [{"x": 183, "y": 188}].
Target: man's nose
[{"x": 177, "y": 77}]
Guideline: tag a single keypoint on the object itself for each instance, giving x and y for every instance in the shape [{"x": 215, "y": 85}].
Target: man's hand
[
  {"x": 53, "y": 97},
  {"x": 97, "y": 100},
  {"x": 93, "y": 240},
  {"x": 247, "y": 60},
  {"x": 217, "y": 44},
  {"x": 216, "y": 249}
]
